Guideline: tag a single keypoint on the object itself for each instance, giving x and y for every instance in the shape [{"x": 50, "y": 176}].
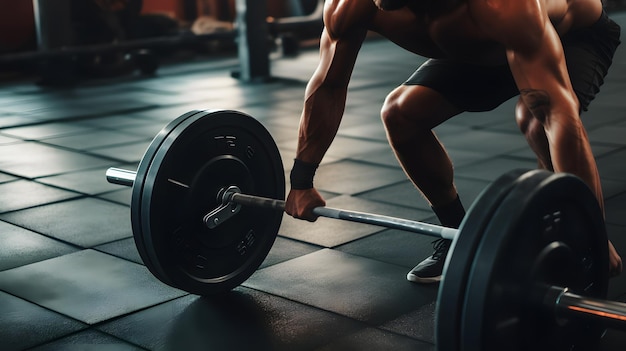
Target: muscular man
[{"x": 483, "y": 52}]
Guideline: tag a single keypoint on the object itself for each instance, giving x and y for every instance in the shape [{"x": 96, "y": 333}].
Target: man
[{"x": 483, "y": 53}]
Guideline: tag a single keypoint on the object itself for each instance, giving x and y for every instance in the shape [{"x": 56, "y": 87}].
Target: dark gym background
[{"x": 70, "y": 275}]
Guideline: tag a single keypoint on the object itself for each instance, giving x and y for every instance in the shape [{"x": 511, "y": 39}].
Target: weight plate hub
[
  {"x": 194, "y": 157},
  {"x": 548, "y": 231}
]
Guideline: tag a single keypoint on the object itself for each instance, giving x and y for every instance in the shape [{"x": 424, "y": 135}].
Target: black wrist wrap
[{"x": 302, "y": 174}]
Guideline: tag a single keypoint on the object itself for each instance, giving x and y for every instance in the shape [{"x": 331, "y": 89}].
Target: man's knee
[{"x": 392, "y": 111}]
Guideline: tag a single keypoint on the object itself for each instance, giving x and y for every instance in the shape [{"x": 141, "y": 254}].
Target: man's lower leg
[{"x": 430, "y": 270}]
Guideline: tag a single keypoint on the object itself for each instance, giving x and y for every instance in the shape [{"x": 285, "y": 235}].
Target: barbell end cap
[{"x": 121, "y": 176}]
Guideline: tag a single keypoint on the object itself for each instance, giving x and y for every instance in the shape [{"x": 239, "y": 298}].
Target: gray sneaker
[{"x": 430, "y": 270}]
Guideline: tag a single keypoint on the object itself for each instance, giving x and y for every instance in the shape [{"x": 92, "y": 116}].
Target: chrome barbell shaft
[
  {"x": 352, "y": 216},
  {"x": 611, "y": 314},
  {"x": 121, "y": 176},
  {"x": 127, "y": 178}
]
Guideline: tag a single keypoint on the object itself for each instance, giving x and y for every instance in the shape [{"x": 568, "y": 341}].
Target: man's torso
[{"x": 436, "y": 28}]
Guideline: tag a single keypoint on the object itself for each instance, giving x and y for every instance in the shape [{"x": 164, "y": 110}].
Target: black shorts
[{"x": 588, "y": 52}]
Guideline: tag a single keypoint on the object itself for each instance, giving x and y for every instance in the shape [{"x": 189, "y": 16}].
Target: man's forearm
[{"x": 320, "y": 120}]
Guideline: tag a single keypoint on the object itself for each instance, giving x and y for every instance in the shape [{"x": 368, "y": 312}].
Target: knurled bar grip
[{"x": 353, "y": 216}]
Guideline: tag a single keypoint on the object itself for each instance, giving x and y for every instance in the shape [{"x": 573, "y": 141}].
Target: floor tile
[
  {"x": 6, "y": 139},
  {"x": 85, "y": 222},
  {"x": 349, "y": 177},
  {"x": 612, "y": 166},
  {"x": 384, "y": 157},
  {"x": 418, "y": 324},
  {"x": 600, "y": 115},
  {"x": 88, "y": 340},
  {"x": 122, "y": 196},
  {"x": 599, "y": 150},
  {"x": 615, "y": 209},
  {"x": 357, "y": 287},
  {"x": 400, "y": 194},
  {"x": 6, "y": 178},
  {"x": 21, "y": 194},
  {"x": 15, "y": 120},
  {"x": 89, "y": 182},
  {"x": 89, "y": 286},
  {"x": 374, "y": 131},
  {"x": 494, "y": 168},
  {"x": 269, "y": 323},
  {"x": 371, "y": 339},
  {"x": 343, "y": 147},
  {"x": 490, "y": 143},
  {"x": 34, "y": 160},
  {"x": 405, "y": 193},
  {"x": 21, "y": 247},
  {"x": 163, "y": 115},
  {"x": 461, "y": 158},
  {"x": 281, "y": 133},
  {"x": 611, "y": 188},
  {"x": 24, "y": 324},
  {"x": 95, "y": 139},
  {"x": 116, "y": 122},
  {"x": 608, "y": 134},
  {"x": 124, "y": 248},
  {"x": 123, "y": 102},
  {"x": 329, "y": 232},
  {"x": 42, "y": 131},
  {"x": 147, "y": 130},
  {"x": 393, "y": 246},
  {"x": 124, "y": 153},
  {"x": 285, "y": 249}
]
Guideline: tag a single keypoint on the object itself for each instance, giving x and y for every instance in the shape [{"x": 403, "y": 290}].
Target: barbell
[{"x": 527, "y": 269}]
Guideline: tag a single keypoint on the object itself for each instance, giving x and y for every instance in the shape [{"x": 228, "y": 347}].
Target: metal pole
[
  {"x": 252, "y": 40},
  {"x": 52, "y": 23}
]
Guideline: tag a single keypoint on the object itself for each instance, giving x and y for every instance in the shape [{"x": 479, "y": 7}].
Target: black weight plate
[
  {"x": 549, "y": 230},
  {"x": 458, "y": 263},
  {"x": 204, "y": 153},
  {"x": 138, "y": 186}
]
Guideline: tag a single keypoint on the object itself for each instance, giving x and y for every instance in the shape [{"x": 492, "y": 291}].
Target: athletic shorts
[{"x": 588, "y": 52}]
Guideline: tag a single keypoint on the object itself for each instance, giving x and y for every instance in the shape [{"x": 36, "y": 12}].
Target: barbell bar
[
  {"x": 127, "y": 177},
  {"x": 528, "y": 267},
  {"x": 565, "y": 303}
]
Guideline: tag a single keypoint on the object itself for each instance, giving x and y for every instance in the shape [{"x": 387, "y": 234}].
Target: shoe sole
[{"x": 423, "y": 280}]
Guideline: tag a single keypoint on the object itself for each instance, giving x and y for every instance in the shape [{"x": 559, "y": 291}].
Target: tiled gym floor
[{"x": 70, "y": 275}]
